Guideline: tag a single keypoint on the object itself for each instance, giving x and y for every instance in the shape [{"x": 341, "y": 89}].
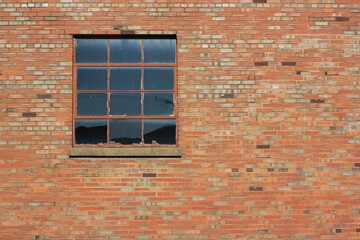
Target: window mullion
[{"x": 108, "y": 92}]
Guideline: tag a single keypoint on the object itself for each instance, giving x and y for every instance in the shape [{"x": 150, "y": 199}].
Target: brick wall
[{"x": 268, "y": 123}]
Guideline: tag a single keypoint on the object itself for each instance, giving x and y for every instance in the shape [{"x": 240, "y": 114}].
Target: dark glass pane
[
  {"x": 125, "y": 51},
  {"x": 122, "y": 78},
  {"x": 159, "y": 50},
  {"x": 91, "y": 78},
  {"x": 91, "y": 50},
  {"x": 125, "y": 131},
  {"x": 90, "y": 131},
  {"x": 159, "y": 104},
  {"x": 159, "y": 78},
  {"x": 160, "y": 131},
  {"x": 91, "y": 104},
  {"x": 126, "y": 104}
]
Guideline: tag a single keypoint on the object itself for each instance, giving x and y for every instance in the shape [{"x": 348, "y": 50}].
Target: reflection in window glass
[
  {"x": 160, "y": 131},
  {"x": 159, "y": 78},
  {"x": 125, "y": 104},
  {"x": 125, "y": 78},
  {"x": 125, "y": 131},
  {"x": 159, "y": 50},
  {"x": 91, "y": 50},
  {"x": 91, "y": 104},
  {"x": 157, "y": 104},
  {"x": 91, "y": 78},
  {"x": 90, "y": 131},
  {"x": 125, "y": 50}
]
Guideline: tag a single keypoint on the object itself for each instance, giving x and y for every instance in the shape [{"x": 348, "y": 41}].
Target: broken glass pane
[
  {"x": 160, "y": 131},
  {"x": 125, "y": 131},
  {"x": 90, "y": 131}
]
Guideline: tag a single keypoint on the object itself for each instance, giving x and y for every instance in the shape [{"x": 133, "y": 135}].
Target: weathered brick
[{"x": 267, "y": 123}]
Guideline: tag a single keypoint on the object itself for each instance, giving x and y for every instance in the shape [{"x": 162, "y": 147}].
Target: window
[{"x": 125, "y": 91}]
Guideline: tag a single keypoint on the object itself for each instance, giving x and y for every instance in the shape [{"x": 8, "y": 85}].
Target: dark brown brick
[
  {"x": 227, "y": 95},
  {"x": 255, "y": 188},
  {"x": 43, "y": 96},
  {"x": 288, "y": 63},
  {"x": 317, "y": 100},
  {"x": 342, "y": 19},
  {"x": 338, "y": 230},
  {"x": 270, "y": 169},
  {"x": 149, "y": 174},
  {"x": 249, "y": 170},
  {"x": 262, "y": 146},
  {"x": 259, "y": 1},
  {"x": 29, "y": 114},
  {"x": 357, "y": 164},
  {"x": 306, "y": 211},
  {"x": 261, "y": 63}
]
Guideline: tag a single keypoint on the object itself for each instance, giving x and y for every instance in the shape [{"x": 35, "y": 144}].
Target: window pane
[
  {"x": 159, "y": 104},
  {"x": 91, "y": 104},
  {"x": 122, "y": 78},
  {"x": 125, "y": 104},
  {"x": 90, "y": 131},
  {"x": 159, "y": 50},
  {"x": 91, "y": 78},
  {"x": 125, "y": 131},
  {"x": 160, "y": 131},
  {"x": 159, "y": 78},
  {"x": 91, "y": 50},
  {"x": 125, "y": 51}
]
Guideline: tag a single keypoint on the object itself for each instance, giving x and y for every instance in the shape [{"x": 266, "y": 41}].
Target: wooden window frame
[{"x": 108, "y": 65}]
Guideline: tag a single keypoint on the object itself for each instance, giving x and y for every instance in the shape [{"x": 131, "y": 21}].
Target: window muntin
[{"x": 124, "y": 91}]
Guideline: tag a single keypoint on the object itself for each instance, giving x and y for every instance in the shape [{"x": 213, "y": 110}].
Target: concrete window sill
[{"x": 125, "y": 152}]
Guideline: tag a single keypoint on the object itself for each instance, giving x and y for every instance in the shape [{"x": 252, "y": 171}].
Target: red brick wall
[{"x": 269, "y": 123}]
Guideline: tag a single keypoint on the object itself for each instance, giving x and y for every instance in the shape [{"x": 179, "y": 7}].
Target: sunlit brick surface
[{"x": 268, "y": 123}]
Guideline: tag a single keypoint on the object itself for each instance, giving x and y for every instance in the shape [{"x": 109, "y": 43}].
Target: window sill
[{"x": 126, "y": 152}]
